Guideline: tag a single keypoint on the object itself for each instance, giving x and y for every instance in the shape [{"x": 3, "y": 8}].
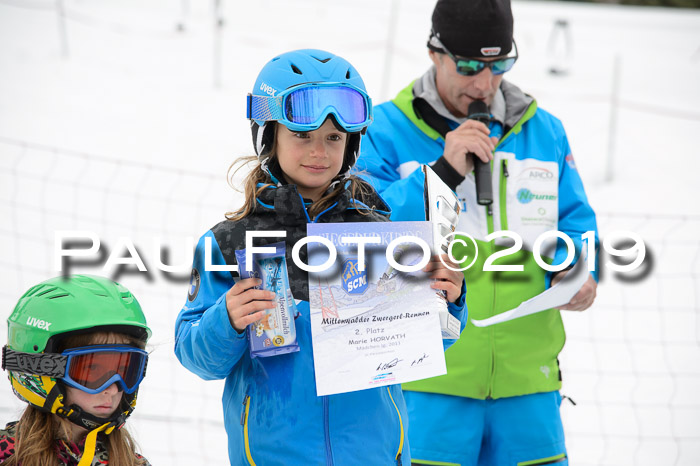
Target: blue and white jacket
[
  {"x": 271, "y": 411},
  {"x": 536, "y": 189}
]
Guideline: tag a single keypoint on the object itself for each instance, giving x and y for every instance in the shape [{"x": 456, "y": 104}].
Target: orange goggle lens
[{"x": 95, "y": 368}]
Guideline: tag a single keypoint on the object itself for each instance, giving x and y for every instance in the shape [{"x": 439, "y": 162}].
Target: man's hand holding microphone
[{"x": 472, "y": 138}]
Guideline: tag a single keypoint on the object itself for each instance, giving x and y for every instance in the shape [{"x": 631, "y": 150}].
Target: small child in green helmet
[{"x": 75, "y": 354}]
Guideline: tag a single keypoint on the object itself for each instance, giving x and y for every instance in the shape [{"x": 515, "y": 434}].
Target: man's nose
[{"x": 484, "y": 80}]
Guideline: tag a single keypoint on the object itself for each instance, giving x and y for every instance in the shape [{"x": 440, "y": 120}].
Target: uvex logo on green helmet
[{"x": 38, "y": 323}]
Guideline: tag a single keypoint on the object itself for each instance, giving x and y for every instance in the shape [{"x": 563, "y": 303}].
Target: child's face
[
  {"x": 105, "y": 403},
  {"x": 311, "y": 159},
  {"x": 100, "y": 404}
]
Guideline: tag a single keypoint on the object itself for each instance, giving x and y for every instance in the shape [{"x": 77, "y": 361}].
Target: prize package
[{"x": 275, "y": 333}]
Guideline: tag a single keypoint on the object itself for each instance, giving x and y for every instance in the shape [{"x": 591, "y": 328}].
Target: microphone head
[{"x": 478, "y": 110}]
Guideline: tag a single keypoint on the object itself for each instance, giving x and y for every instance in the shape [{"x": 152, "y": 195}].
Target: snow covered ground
[{"x": 122, "y": 117}]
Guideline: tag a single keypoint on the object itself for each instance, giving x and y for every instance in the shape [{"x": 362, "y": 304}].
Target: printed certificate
[{"x": 378, "y": 326}]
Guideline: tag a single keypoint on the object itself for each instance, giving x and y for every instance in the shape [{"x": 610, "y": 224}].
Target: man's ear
[{"x": 435, "y": 57}]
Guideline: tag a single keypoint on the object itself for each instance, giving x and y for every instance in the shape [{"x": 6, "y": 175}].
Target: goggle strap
[
  {"x": 264, "y": 108},
  {"x": 48, "y": 364}
]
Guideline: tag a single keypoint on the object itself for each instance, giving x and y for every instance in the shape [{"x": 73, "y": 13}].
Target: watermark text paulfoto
[{"x": 83, "y": 247}]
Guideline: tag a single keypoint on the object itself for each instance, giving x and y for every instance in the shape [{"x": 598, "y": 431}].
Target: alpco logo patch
[
  {"x": 38, "y": 323},
  {"x": 525, "y": 195},
  {"x": 267, "y": 89},
  {"x": 536, "y": 173},
  {"x": 490, "y": 51}
]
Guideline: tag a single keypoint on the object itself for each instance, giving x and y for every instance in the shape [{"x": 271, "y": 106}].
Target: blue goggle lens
[
  {"x": 309, "y": 104},
  {"x": 305, "y": 107}
]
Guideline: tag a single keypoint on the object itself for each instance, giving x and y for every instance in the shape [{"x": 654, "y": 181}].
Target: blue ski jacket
[{"x": 271, "y": 411}]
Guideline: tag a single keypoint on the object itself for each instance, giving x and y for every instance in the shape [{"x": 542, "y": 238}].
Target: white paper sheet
[{"x": 554, "y": 297}]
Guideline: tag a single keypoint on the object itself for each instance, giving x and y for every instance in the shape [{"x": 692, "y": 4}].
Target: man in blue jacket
[{"x": 499, "y": 402}]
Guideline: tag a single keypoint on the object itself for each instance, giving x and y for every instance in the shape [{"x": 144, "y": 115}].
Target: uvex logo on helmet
[
  {"x": 268, "y": 90},
  {"x": 38, "y": 323},
  {"x": 490, "y": 51}
]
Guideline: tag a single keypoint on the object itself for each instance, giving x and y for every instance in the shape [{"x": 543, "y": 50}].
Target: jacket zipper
[
  {"x": 502, "y": 193},
  {"x": 244, "y": 422},
  {"x": 400, "y": 451},
  {"x": 492, "y": 339},
  {"x": 490, "y": 221},
  {"x": 327, "y": 433}
]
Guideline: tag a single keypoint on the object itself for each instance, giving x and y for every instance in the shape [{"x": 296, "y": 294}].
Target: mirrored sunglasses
[{"x": 474, "y": 66}]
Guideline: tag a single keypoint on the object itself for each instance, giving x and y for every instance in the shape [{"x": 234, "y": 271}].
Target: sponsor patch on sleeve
[{"x": 194, "y": 285}]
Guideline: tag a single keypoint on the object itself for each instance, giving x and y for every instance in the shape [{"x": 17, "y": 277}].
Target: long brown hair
[
  {"x": 37, "y": 431},
  {"x": 359, "y": 189}
]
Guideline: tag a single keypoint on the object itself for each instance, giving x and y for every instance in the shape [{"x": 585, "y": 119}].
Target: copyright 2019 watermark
[{"x": 84, "y": 247}]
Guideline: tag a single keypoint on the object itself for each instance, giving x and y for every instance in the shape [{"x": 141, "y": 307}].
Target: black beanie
[{"x": 473, "y": 28}]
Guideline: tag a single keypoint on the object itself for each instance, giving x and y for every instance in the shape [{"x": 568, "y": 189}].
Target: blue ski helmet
[{"x": 305, "y": 69}]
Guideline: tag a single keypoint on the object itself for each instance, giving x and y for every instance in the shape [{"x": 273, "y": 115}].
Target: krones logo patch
[{"x": 354, "y": 281}]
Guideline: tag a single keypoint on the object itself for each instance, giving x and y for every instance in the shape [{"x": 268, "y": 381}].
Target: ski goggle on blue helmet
[{"x": 306, "y": 106}]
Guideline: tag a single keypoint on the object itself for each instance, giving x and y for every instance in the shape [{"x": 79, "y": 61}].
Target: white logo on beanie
[{"x": 490, "y": 51}]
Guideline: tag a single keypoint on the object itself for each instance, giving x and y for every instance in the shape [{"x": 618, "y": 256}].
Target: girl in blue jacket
[{"x": 309, "y": 109}]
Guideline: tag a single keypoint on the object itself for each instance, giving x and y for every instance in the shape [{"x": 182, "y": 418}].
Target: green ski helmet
[{"x": 52, "y": 311}]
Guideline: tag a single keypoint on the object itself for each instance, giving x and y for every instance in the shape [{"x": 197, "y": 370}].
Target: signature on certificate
[
  {"x": 388, "y": 365},
  {"x": 419, "y": 360}
]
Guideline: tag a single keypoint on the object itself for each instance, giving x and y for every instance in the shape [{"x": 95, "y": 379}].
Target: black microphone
[{"x": 479, "y": 111}]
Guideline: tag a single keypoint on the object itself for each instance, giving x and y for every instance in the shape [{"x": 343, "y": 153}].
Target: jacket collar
[
  {"x": 287, "y": 205},
  {"x": 425, "y": 88}
]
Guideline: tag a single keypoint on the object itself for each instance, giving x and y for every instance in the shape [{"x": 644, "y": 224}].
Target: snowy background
[{"x": 122, "y": 117}]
